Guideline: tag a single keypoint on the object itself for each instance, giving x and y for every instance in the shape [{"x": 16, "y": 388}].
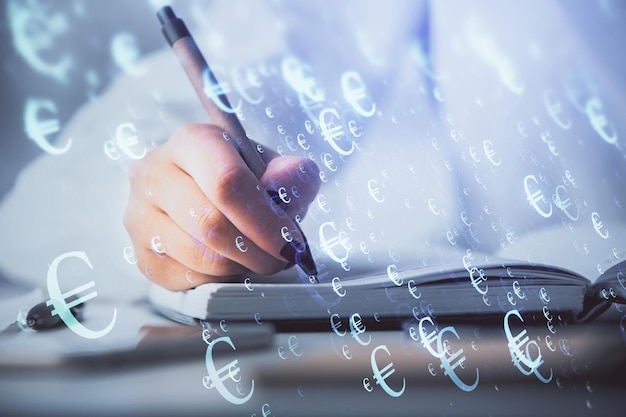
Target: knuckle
[
  {"x": 208, "y": 222},
  {"x": 228, "y": 181},
  {"x": 216, "y": 264}
]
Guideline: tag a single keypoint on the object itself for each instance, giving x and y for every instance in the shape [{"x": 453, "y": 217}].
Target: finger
[
  {"x": 171, "y": 274},
  {"x": 293, "y": 182},
  {"x": 175, "y": 193},
  {"x": 216, "y": 166}
]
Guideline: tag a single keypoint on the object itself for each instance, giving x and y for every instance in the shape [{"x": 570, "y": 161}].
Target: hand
[{"x": 197, "y": 214}]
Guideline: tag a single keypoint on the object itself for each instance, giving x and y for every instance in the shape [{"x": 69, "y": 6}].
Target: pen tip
[{"x": 302, "y": 258}]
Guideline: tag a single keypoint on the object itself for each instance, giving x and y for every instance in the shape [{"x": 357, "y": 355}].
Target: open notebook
[{"x": 466, "y": 286}]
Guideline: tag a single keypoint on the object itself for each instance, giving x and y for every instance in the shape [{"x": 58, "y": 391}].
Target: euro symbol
[
  {"x": 621, "y": 280},
  {"x": 336, "y": 283},
  {"x": 555, "y": 108},
  {"x": 327, "y": 159},
  {"x": 323, "y": 203},
  {"x": 490, "y": 152},
  {"x": 431, "y": 369},
  {"x": 518, "y": 290},
  {"x": 37, "y": 130},
  {"x": 265, "y": 410},
  {"x": 413, "y": 334},
  {"x": 346, "y": 352},
  {"x": 546, "y": 313},
  {"x": 476, "y": 281},
  {"x": 282, "y": 194},
  {"x": 216, "y": 377},
  {"x": 486, "y": 300},
  {"x": 332, "y": 131},
  {"x": 380, "y": 375},
  {"x": 223, "y": 326},
  {"x": 372, "y": 187},
  {"x": 328, "y": 245},
  {"x": 467, "y": 263},
  {"x": 125, "y": 52},
  {"x": 536, "y": 196},
  {"x": 247, "y": 82},
  {"x": 522, "y": 360},
  {"x": 597, "y": 225},
  {"x": 297, "y": 76},
  {"x": 35, "y": 31},
  {"x": 433, "y": 206},
  {"x": 357, "y": 328},
  {"x": 543, "y": 294},
  {"x": 248, "y": 283},
  {"x": 217, "y": 92},
  {"x": 129, "y": 255},
  {"x": 241, "y": 244},
  {"x": 302, "y": 142},
  {"x": 394, "y": 276},
  {"x": 570, "y": 178},
  {"x": 447, "y": 361},
  {"x": 284, "y": 231},
  {"x": 110, "y": 150},
  {"x": 354, "y": 129},
  {"x": 57, "y": 299},
  {"x": 413, "y": 289},
  {"x": 367, "y": 385},
  {"x": 509, "y": 296},
  {"x": 599, "y": 121},
  {"x": 564, "y": 203},
  {"x": 354, "y": 91},
  {"x": 157, "y": 246},
  {"x": 293, "y": 344},
  {"x": 428, "y": 339},
  {"x": 281, "y": 352},
  {"x": 125, "y": 140},
  {"x": 335, "y": 325}
]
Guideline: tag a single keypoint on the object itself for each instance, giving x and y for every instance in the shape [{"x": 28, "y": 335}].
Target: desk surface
[{"x": 332, "y": 373}]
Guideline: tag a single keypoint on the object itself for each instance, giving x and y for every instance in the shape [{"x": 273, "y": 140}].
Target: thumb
[{"x": 293, "y": 183}]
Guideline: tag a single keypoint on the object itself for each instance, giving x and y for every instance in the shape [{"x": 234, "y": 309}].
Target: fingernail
[{"x": 302, "y": 258}]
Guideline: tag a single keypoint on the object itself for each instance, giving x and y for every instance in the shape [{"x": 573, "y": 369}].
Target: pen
[
  {"x": 196, "y": 67},
  {"x": 40, "y": 316}
]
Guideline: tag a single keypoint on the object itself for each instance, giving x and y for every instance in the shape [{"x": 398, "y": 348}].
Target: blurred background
[{"x": 60, "y": 54}]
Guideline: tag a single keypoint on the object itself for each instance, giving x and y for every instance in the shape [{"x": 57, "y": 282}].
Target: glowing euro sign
[
  {"x": 447, "y": 362},
  {"x": 555, "y": 109},
  {"x": 380, "y": 375},
  {"x": 599, "y": 121},
  {"x": 125, "y": 53},
  {"x": 354, "y": 92},
  {"x": 216, "y": 91},
  {"x": 598, "y": 226},
  {"x": 328, "y": 245},
  {"x": 62, "y": 309},
  {"x": 521, "y": 359},
  {"x": 297, "y": 75},
  {"x": 534, "y": 197},
  {"x": 125, "y": 138},
  {"x": 34, "y": 28},
  {"x": 216, "y": 377},
  {"x": 332, "y": 130},
  {"x": 37, "y": 130}
]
